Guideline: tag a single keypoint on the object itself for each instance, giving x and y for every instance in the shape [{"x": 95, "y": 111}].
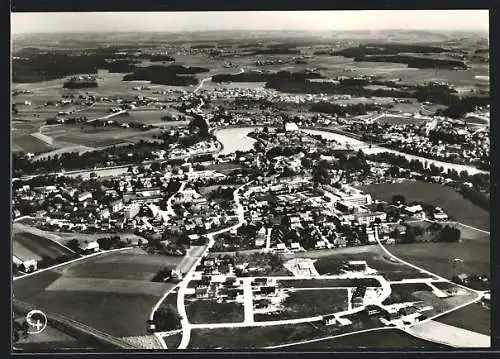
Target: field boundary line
[
  {"x": 329, "y": 337},
  {"x": 22, "y": 217},
  {"x": 428, "y": 339},
  {"x": 71, "y": 261},
  {"x": 56, "y": 242},
  {"x": 459, "y": 223},
  {"x": 423, "y": 269}
]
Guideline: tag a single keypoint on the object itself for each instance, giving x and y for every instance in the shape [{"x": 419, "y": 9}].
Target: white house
[
  {"x": 291, "y": 126},
  {"x": 30, "y": 265},
  {"x": 415, "y": 211},
  {"x": 90, "y": 247}
]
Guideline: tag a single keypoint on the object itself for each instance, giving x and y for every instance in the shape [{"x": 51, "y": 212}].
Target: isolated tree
[
  {"x": 398, "y": 198},
  {"x": 166, "y": 318},
  {"x": 450, "y": 234},
  {"x": 73, "y": 244},
  {"x": 155, "y": 166}
]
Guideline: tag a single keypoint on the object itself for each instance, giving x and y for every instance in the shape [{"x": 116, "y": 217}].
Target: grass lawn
[
  {"x": 473, "y": 317},
  {"x": 444, "y": 285},
  {"x": 399, "y": 120},
  {"x": 117, "y": 314},
  {"x": 112, "y": 292},
  {"x": 325, "y": 283},
  {"x": 406, "y": 292},
  {"x": 421, "y": 292},
  {"x": 252, "y": 337},
  {"x": 437, "y": 257},
  {"x": 26, "y": 143},
  {"x": 209, "y": 311},
  {"x": 435, "y": 194},
  {"x": 28, "y": 245},
  {"x": 378, "y": 339},
  {"x": 223, "y": 168},
  {"x": 28, "y": 287},
  {"x": 375, "y": 258},
  {"x": 309, "y": 303}
]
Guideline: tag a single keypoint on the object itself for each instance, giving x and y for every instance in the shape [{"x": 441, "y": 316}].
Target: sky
[{"x": 249, "y": 20}]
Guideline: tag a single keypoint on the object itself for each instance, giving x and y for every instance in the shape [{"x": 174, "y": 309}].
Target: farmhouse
[
  {"x": 439, "y": 215},
  {"x": 29, "y": 265},
  {"x": 415, "y": 211},
  {"x": 291, "y": 127},
  {"x": 330, "y": 319},
  {"x": 89, "y": 247}
]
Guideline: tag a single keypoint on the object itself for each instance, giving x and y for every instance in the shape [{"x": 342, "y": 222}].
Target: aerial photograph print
[{"x": 250, "y": 180}]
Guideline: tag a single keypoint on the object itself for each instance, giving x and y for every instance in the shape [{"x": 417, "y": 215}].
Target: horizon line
[{"x": 481, "y": 30}]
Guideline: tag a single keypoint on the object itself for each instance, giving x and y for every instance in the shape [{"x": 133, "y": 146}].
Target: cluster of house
[
  {"x": 321, "y": 211},
  {"x": 202, "y": 147},
  {"x": 127, "y": 202},
  {"x": 195, "y": 213},
  {"x": 470, "y": 144},
  {"x": 216, "y": 279}
]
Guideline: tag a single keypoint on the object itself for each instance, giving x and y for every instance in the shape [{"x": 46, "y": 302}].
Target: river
[{"x": 234, "y": 139}]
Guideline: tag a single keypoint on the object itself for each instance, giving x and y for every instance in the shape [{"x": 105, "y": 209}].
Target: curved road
[{"x": 181, "y": 308}]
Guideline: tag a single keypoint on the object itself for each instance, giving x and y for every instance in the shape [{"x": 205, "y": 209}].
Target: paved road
[
  {"x": 207, "y": 79},
  {"x": 256, "y": 324},
  {"x": 414, "y": 329},
  {"x": 248, "y": 304},
  {"x": 181, "y": 308}
]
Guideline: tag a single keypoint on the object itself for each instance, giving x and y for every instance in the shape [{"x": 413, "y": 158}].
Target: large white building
[
  {"x": 350, "y": 195},
  {"x": 291, "y": 127}
]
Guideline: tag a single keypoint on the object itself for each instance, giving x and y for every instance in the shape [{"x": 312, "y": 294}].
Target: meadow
[
  {"x": 452, "y": 202},
  {"x": 111, "y": 292}
]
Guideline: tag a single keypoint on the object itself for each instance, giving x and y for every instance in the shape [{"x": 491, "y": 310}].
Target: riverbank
[{"x": 235, "y": 138}]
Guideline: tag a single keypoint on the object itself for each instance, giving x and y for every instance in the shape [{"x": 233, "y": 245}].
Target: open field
[
  {"x": 401, "y": 293},
  {"x": 420, "y": 292},
  {"x": 27, "y": 245},
  {"x": 378, "y": 339},
  {"x": 223, "y": 168},
  {"x": 326, "y": 283},
  {"x": 309, "y": 303},
  {"x": 399, "y": 120},
  {"x": 27, "y": 143},
  {"x": 110, "y": 85},
  {"x": 435, "y": 194},
  {"x": 252, "y": 337},
  {"x": 438, "y": 257},
  {"x": 209, "y": 311},
  {"x": 27, "y": 225},
  {"x": 148, "y": 117},
  {"x": 50, "y": 339},
  {"x": 112, "y": 292},
  {"x": 473, "y": 317},
  {"x": 375, "y": 259},
  {"x": 68, "y": 135}
]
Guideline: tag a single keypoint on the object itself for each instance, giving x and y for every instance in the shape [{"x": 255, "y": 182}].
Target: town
[{"x": 213, "y": 195}]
